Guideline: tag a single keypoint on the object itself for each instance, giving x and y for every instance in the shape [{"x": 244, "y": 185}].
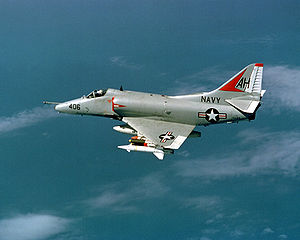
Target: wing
[{"x": 164, "y": 134}]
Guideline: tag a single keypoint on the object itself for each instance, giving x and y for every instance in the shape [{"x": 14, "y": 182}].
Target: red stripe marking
[
  {"x": 119, "y": 105},
  {"x": 259, "y": 64},
  {"x": 231, "y": 85},
  {"x": 114, "y": 105}
]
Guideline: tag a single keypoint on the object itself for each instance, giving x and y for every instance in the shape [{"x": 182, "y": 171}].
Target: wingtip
[{"x": 159, "y": 154}]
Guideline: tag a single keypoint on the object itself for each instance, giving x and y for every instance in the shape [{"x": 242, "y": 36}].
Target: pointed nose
[{"x": 60, "y": 107}]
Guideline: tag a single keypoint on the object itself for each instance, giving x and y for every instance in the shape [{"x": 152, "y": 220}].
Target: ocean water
[{"x": 62, "y": 177}]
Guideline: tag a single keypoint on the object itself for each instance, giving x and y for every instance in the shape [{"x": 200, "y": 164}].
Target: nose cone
[{"x": 61, "y": 107}]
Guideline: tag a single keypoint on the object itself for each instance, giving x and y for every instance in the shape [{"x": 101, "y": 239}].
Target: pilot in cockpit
[{"x": 97, "y": 93}]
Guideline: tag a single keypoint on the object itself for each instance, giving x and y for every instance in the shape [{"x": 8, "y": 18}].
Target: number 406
[{"x": 74, "y": 106}]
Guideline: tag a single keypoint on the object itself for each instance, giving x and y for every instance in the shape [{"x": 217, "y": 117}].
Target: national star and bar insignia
[
  {"x": 166, "y": 136},
  {"x": 212, "y": 115}
]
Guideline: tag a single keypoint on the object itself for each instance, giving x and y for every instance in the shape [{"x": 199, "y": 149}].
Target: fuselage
[{"x": 198, "y": 109}]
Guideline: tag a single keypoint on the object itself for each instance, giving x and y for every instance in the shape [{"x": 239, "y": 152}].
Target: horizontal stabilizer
[{"x": 244, "y": 105}]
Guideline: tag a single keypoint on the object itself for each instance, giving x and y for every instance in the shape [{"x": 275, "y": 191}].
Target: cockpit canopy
[{"x": 97, "y": 93}]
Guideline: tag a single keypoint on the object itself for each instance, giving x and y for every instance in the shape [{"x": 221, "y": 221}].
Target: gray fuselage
[{"x": 187, "y": 109}]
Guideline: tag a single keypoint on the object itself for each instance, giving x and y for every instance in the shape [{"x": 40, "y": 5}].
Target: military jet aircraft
[{"x": 159, "y": 123}]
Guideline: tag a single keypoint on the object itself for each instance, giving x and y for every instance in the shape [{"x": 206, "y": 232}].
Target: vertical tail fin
[
  {"x": 244, "y": 90},
  {"x": 247, "y": 80}
]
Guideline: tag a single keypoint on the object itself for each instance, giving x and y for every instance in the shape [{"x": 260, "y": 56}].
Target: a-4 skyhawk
[{"x": 160, "y": 124}]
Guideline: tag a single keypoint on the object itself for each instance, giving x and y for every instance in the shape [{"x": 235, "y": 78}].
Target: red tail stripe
[
  {"x": 231, "y": 85},
  {"x": 259, "y": 64}
]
